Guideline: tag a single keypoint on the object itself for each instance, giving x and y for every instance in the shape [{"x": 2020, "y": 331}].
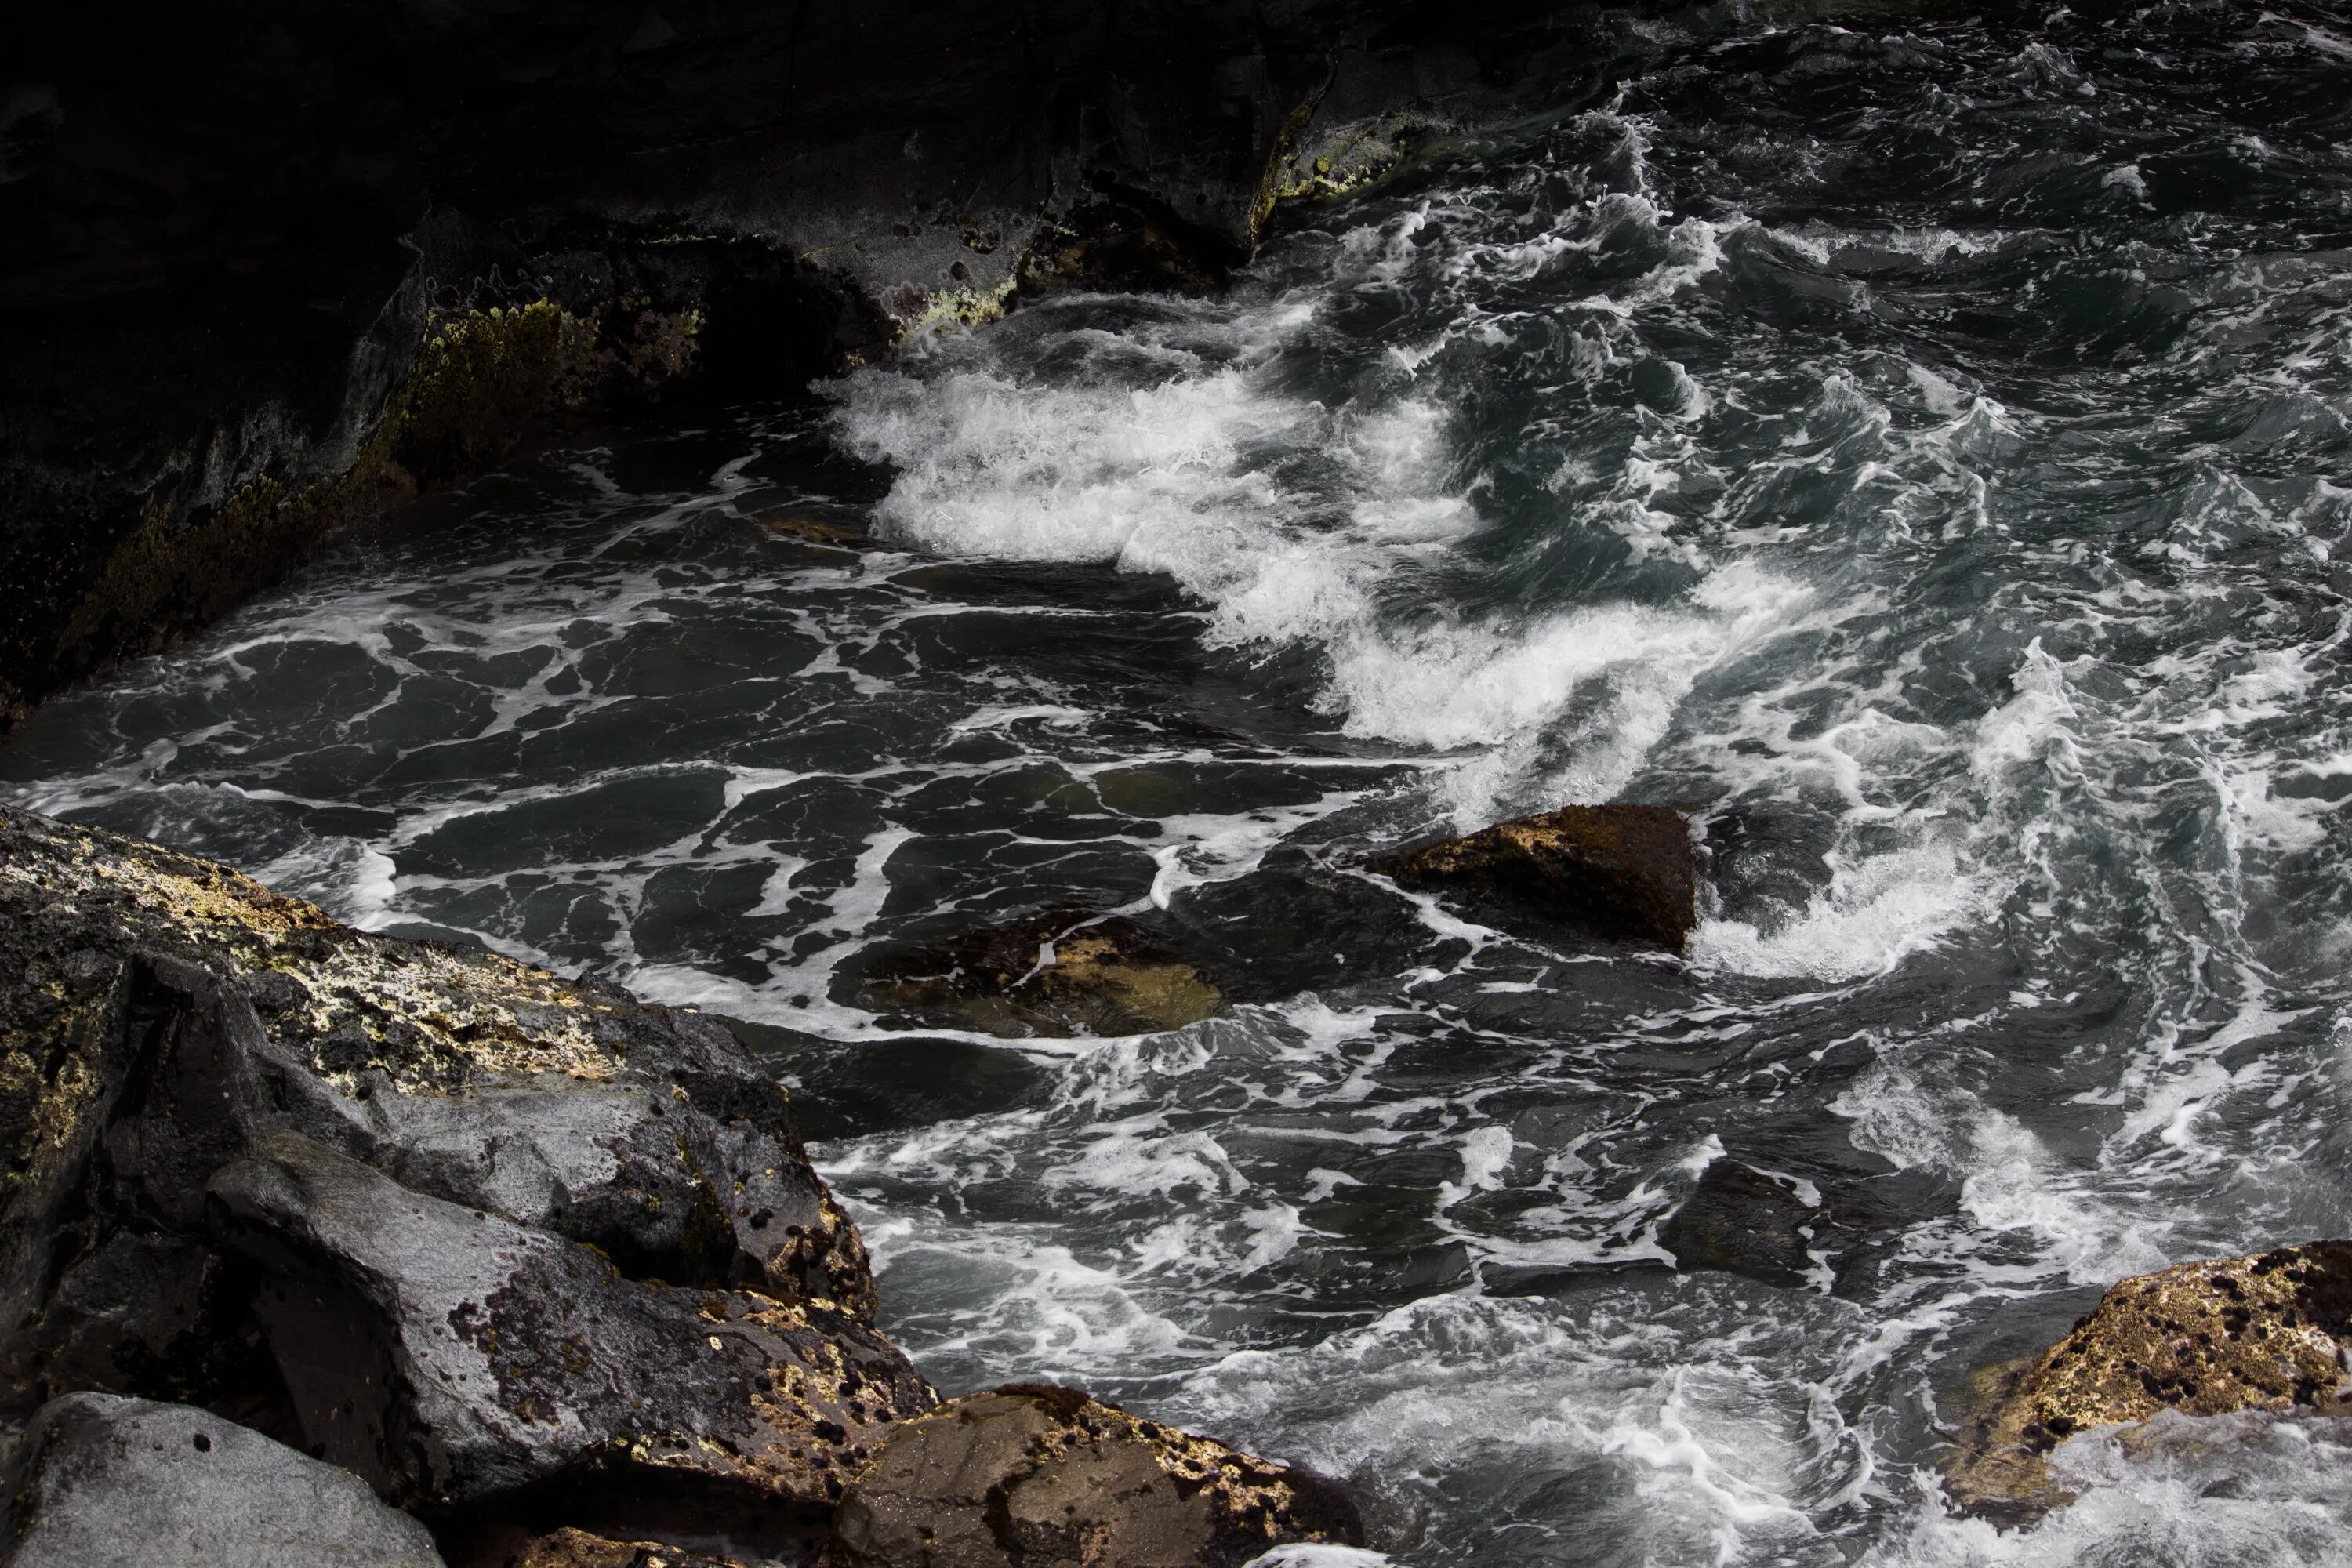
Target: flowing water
[{"x": 1920, "y": 448}]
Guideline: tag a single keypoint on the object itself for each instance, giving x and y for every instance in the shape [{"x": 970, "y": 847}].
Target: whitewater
[{"x": 1918, "y": 449}]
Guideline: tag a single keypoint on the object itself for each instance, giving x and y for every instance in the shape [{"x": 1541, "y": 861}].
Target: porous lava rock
[
  {"x": 2266, "y": 1332},
  {"x": 1623, "y": 873},
  {"x": 1058, "y": 973},
  {"x": 159, "y": 1011},
  {"x": 1040, "y": 1477},
  {"x": 97, "y": 1481},
  {"x": 449, "y": 1355},
  {"x": 540, "y": 1264}
]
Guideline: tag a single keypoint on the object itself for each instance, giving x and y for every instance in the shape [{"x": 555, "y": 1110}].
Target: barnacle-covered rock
[
  {"x": 158, "y": 1010},
  {"x": 1062, "y": 973},
  {"x": 1623, "y": 873},
  {"x": 2267, "y": 1333},
  {"x": 1039, "y": 1477}
]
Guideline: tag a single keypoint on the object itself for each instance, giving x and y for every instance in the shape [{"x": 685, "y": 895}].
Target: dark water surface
[{"x": 1924, "y": 449}]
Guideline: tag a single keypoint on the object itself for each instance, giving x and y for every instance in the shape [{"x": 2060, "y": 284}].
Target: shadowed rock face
[
  {"x": 1623, "y": 873},
  {"x": 1030, "y": 1476},
  {"x": 262, "y": 268},
  {"x": 101, "y": 1482},
  {"x": 2267, "y": 1333},
  {"x": 1059, "y": 973}
]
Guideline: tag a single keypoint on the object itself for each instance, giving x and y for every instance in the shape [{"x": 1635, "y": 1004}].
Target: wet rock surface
[
  {"x": 163, "y": 1009},
  {"x": 2267, "y": 1333},
  {"x": 1062, "y": 973},
  {"x": 449, "y": 1355},
  {"x": 1621, "y": 873},
  {"x": 1031, "y": 1476},
  {"x": 97, "y": 1481},
  {"x": 545, "y": 1266},
  {"x": 1741, "y": 1220}
]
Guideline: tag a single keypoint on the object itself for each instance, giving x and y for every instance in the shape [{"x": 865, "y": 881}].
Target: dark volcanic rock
[
  {"x": 1625, "y": 873},
  {"x": 1058, "y": 973},
  {"x": 449, "y": 1356},
  {"x": 1031, "y": 1477},
  {"x": 2267, "y": 1333},
  {"x": 1741, "y": 1220},
  {"x": 161, "y": 1011},
  {"x": 539, "y": 1263},
  {"x": 101, "y": 1483}
]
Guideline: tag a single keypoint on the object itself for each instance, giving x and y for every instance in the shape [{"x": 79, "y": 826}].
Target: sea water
[{"x": 1919, "y": 448}]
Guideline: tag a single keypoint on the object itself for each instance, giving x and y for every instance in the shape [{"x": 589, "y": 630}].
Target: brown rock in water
[
  {"x": 1623, "y": 873},
  {"x": 809, "y": 530},
  {"x": 578, "y": 1549},
  {"x": 1057, "y": 975},
  {"x": 1039, "y": 1477},
  {"x": 2267, "y": 1333}
]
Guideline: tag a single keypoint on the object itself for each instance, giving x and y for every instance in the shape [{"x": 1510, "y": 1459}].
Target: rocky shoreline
[
  {"x": 261, "y": 275},
  {"x": 295, "y": 1213},
  {"x": 334, "y": 1247}
]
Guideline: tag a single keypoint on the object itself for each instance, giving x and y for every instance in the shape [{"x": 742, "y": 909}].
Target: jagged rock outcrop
[
  {"x": 263, "y": 269},
  {"x": 1623, "y": 873},
  {"x": 1057, "y": 974},
  {"x": 97, "y": 1481},
  {"x": 1037, "y": 1477},
  {"x": 161, "y": 1011},
  {"x": 541, "y": 1264},
  {"x": 449, "y": 1355},
  {"x": 2267, "y": 1333}
]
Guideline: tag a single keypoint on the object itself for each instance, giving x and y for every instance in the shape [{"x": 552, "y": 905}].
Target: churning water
[{"x": 1924, "y": 449}]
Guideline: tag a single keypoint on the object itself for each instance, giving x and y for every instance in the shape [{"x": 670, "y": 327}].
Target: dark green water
[{"x": 1924, "y": 449}]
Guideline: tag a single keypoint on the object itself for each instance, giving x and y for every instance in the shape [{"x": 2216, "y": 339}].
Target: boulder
[
  {"x": 1621, "y": 873},
  {"x": 449, "y": 1355},
  {"x": 1062, "y": 973},
  {"x": 1030, "y": 1476},
  {"x": 158, "y": 1012},
  {"x": 97, "y": 1481},
  {"x": 2267, "y": 1333}
]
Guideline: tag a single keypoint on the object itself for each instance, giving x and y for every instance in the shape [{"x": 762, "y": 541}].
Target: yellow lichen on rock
[{"x": 2267, "y": 1333}]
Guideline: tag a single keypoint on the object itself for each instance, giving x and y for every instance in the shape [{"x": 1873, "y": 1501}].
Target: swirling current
[{"x": 1919, "y": 447}]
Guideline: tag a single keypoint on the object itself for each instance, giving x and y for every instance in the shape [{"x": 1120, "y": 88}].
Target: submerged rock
[
  {"x": 2267, "y": 1333},
  {"x": 97, "y": 1481},
  {"x": 1030, "y": 1476},
  {"x": 1741, "y": 1220},
  {"x": 1623, "y": 873},
  {"x": 1058, "y": 973},
  {"x": 809, "y": 530}
]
